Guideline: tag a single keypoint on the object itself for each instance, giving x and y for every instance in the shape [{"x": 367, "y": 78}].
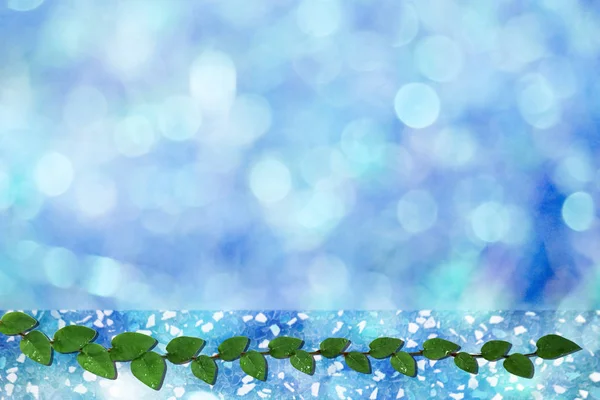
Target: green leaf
[
  {"x": 183, "y": 348},
  {"x": 404, "y": 363},
  {"x": 14, "y": 323},
  {"x": 550, "y": 347},
  {"x": 72, "y": 338},
  {"x": 518, "y": 364},
  {"x": 284, "y": 346},
  {"x": 36, "y": 346},
  {"x": 384, "y": 347},
  {"x": 254, "y": 364},
  {"x": 150, "y": 369},
  {"x": 233, "y": 347},
  {"x": 130, "y": 345},
  {"x": 96, "y": 359},
  {"x": 466, "y": 362},
  {"x": 495, "y": 349},
  {"x": 303, "y": 362},
  {"x": 333, "y": 347},
  {"x": 358, "y": 362},
  {"x": 205, "y": 368},
  {"x": 436, "y": 348}
]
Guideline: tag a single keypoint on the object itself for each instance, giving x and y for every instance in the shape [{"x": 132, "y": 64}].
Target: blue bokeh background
[{"x": 307, "y": 154}]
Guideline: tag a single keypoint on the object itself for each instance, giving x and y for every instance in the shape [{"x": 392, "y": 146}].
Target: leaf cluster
[{"x": 150, "y": 367}]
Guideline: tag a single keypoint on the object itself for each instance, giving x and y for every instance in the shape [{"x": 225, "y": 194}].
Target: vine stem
[
  {"x": 136, "y": 346},
  {"x": 366, "y": 353}
]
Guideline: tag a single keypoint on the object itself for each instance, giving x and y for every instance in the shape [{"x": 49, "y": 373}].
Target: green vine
[{"x": 150, "y": 367}]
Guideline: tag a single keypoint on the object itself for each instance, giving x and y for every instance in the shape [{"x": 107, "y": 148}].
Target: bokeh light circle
[
  {"x": 134, "y": 136},
  {"x": 490, "y": 222},
  {"x": 180, "y": 118},
  {"x": 270, "y": 180},
  {"x": 54, "y": 174},
  {"x": 6, "y": 194},
  {"x": 319, "y": 18},
  {"x": 328, "y": 276},
  {"x": 23, "y": 5},
  {"x": 96, "y": 194},
  {"x": 454, "y": 147},
  {"x": 213, "y": 81},
  {"x": 250, "y": 118},
  {"x": 578, "y": 211},
  {"x": 439, "y": 58},
  {"x": 537, "y": 102},
  {"x": 83, "y": 106},
  {"x": 417, "y": 211},
  {"x": 407, "y": 25},
  {"x": 103, "y": 276},
  {"x": 61, "y": 267},
  {"x": 417, "y": 105}
]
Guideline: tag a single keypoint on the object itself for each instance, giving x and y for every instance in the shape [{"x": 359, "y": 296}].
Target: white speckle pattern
[
  {"x": 520, "y": 330},
  {"x": 338, "y": 326},
  {"x": 80, "y": 389},
  {"x": 559, "y": 389},
  {"x": 314, "y": 389},
  {"x": 217, "y": 316},
  {"x": 260, "y": 318},
  {"x": 412, "y": 327},
  {"x": 168, "y": 315},
  {"x": 435, "y": 378},
  {"x": 373, "y": 395},
  {"x": 245, "y": 389},
  {"x": 378, "y": 375},
  {"x": 340, "y": 390},
  {"x": 430, "y": 323},
  {"x": 151, "y": 321},
  {"x": 275, "y": 330},
  {"x": 89, "y": 377},
  {"x": 361, "y": 325},
  {"x": 288, "y": 387}
]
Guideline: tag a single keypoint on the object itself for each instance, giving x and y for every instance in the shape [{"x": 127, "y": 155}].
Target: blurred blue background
[{"x": 311, "y": 154}]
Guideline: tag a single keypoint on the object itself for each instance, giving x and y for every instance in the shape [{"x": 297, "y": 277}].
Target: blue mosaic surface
[{"x": 576, "y": 376}]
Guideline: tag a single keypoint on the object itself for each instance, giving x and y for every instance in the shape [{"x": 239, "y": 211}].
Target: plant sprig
[{"x": 150, "y": 367}]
